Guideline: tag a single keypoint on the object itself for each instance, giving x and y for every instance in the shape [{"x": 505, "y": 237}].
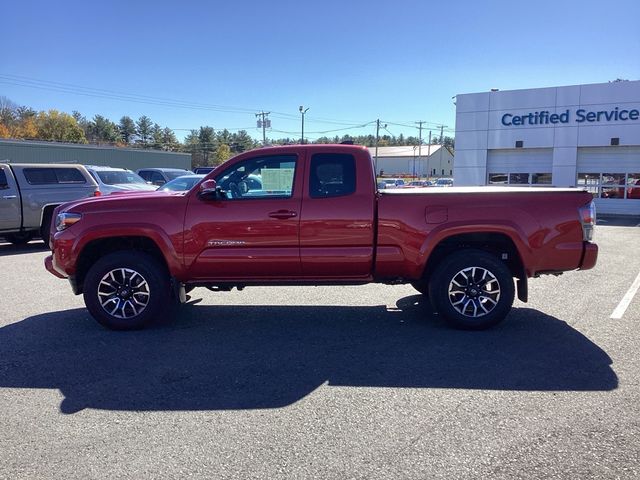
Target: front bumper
[
  {"x": 50, "y": 265},
  {"x": 52, "y": 268}
]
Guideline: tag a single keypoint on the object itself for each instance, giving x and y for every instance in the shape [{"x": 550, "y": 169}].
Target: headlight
[{"x": 66, "y": 219}]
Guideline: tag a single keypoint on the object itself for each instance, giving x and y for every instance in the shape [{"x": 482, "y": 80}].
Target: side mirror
[{"x": 209, "y": 190}]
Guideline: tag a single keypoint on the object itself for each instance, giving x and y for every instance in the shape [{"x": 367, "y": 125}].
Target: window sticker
[{"x": 277, "y": 179}]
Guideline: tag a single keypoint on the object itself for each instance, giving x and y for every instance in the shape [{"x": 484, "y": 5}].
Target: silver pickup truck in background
[{"x": 29, "y": 192}]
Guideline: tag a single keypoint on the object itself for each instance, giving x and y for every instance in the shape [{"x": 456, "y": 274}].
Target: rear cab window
[
  {"x": 332, "y": 175},
  {"x": 53, "y": 176}
]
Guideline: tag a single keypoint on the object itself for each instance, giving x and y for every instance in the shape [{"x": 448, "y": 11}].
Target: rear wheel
[
  {"x": 46, "y": 227},
  {"x": 472, "y": 289},
  {"x": 127, "y": 290}
]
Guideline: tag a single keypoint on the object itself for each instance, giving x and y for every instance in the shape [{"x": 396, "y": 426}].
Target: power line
[
  {"x": 346, "y": 128},
  {"x": 30, "y": 82},
  {"x": 231, "y": 129},
  {"x": 112, "y": 94}
]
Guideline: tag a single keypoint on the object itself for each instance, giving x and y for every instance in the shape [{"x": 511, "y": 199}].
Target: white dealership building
[{"x": 582, "y": 135}]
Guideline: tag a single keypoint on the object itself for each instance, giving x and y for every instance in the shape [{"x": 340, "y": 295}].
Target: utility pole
[
  {"x": 375, "y": 162},
  {"x": 264, "y": 123},
  {"x": 302, "y": 111},
  {"x": 429, "y": 155},
  {"x": 441, "y": 143},
  {"x": 442, "y": 134},
  {"x": 419, "y": 143}
]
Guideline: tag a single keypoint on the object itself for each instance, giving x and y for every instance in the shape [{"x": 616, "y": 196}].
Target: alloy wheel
[
  {"x": 474, "y": 292},
  {"x": 123, "y": 293}
]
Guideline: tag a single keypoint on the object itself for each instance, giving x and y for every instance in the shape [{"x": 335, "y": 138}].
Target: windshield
[
  {"x": 175, "y": 174},
  {"x": 116, "y": 177},
  {"x": 181, "y": 184}
]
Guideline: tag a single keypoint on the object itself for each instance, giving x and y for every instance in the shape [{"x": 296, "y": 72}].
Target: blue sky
[{"x": 350, "y": 62}]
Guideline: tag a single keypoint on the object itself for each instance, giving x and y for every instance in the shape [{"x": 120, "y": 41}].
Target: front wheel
[
  {"x": 45, "y": 228},
  {"x": 20, "y": 238},
  {"x": 472, "y": 289},
  {"x": 127, "y": 290}
]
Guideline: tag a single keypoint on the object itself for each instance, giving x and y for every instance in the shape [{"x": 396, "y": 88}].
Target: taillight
[
  {"x": 97, "y": 193},
  {"x": 588, "y": 220}
]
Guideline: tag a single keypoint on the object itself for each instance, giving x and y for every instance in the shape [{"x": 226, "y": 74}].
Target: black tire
[
  {"x": 20, "y": 238},
  {"x": 422, "y": 286},
  {"x": 137, "y": 303},
  {"x": 45, "y": 228},
  {"x": 472, "y": 299}
]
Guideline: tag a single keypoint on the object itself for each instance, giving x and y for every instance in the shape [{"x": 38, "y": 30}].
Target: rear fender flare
[{"x": 442, "y": 233}]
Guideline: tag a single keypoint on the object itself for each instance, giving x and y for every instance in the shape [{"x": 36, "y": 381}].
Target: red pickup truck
[{"x": 311, "y": 215}]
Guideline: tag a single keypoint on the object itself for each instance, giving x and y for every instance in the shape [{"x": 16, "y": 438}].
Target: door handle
[
  {"x": 283, "y": 214},
  {"x": 9, "y": 197}
]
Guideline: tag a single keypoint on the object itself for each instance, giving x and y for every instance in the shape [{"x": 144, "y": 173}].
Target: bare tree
[{"x": 8, "y": 110}]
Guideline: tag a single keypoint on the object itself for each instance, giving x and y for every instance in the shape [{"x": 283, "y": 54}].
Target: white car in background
[
  {"x": 444, "y": 182},
  {"x": 111, "y": 179},
  {"x": 391, "y": 183}
]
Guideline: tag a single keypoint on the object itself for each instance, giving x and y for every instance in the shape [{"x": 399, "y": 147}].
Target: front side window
[
  {"x": 4, "y": 184},
  {"x": 332, "y": 175},
  {"x": 145, "y": 174},
  {"x": 260, "y": 177}
]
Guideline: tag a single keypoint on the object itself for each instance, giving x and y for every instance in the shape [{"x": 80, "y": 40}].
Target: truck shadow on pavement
[
  {"x": 7, "y": 249},
  {"x": 241, "y": 357}
]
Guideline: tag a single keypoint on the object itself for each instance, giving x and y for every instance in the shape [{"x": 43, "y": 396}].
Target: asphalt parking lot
[{"x": 324, "y": 382}]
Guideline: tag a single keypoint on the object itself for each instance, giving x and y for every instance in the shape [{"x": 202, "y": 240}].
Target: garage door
[
  {"x": 612, "y": 174},
  {"x": 520, "y": 167}
]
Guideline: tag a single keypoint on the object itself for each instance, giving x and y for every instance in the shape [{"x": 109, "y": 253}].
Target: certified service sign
[{"x": 581, "y": 115}]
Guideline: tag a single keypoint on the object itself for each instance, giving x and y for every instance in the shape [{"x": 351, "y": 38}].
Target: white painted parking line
[{"x": 626, "y": 300}]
